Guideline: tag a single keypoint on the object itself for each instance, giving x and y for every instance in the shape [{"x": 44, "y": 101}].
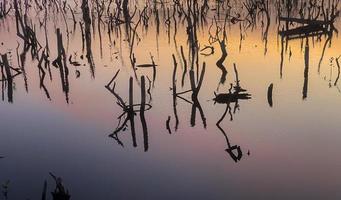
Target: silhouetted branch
[{"x": 270, "y": 89}]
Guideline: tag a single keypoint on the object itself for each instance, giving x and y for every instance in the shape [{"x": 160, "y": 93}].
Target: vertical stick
[
  {"x": 61, "y": 62},
  {"x": 236, "y": 73},
  {"x": 142, "y": 109},
  {"x": 270, "y": 89},
  {"x": 167, "y": 125},
  {"x": 306, "y": 71},
  {"x": 174, "y": 93},
  {"x": 2, "y": 83},
  {"x": 185, "y": 66},
  {"x": 8, "y": 77},
  {"x": 154, "y": 71},
  {"x": 131, "y": 111},
  {"x": 338, "y": 71}
]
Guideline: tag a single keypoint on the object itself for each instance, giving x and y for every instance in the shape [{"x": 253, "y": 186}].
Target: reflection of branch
[
  {"x": 60, "y": 62},
  {"x": 152, "y": 65},
  {"x": 323, "y": 52},
  {"x": 338, "y": 71},
  {"x": 282, "y": 58},
  {"x": 129, "y": 111},
  {"x": 211, "y": 52},
  {"x": 9, "y": 77},
  {"x": 265, "y": 9},
  {"x": 306, "y": 71},
  {"x": 234, "y": 96},
  {"x": 134, "y": 30},
  {"x": 196, "y": 89},
  {"x": 168, "y": 126},
  {"x": 87, "y": 34},
  {"x": 185, "y": 66},
  {"x": 270, "y": 89},
  {"x": 221, "y": 61},
  {"x": 175, "y": 94},
  {"x": 21, "y": 63},
  {"x": 230, "y": 149},
  {"x": 122, "y": 104},
  {"x": 142, "y": 109},
  {"x": 148, "y": 90},
  {"x": 42, "y": 72},
  {"x": 112, "y": 90}
]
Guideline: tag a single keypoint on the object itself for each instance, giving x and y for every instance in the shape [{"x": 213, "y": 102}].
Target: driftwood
[
  {"x": 231, "y": 97},
  {"x": 308, "y": 28}
]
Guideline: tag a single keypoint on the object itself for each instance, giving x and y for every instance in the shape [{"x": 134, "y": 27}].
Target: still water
[{"x": 192, "y": 140}]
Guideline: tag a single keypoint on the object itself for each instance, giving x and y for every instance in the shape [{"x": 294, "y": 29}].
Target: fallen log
[
  {"x": 304, "y": 30},
  {"x": 306, "y": 21}
]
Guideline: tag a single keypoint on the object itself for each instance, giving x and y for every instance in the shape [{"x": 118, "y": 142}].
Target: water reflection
[
  {"x": 60, "y": 192},
  {"x": 295, "y": 21},
  {"x": 129, "y": 111},
  {"x": 234, "y": 95},
  {"x": 172, "y": 53},
  {"x": 60, "y": 63},
  {"x": 7, "y": 77},
  {"x": 299, "y": 20}
]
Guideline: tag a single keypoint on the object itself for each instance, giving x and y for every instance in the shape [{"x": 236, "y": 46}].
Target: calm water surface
[{"x": 288, "y": 151}]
